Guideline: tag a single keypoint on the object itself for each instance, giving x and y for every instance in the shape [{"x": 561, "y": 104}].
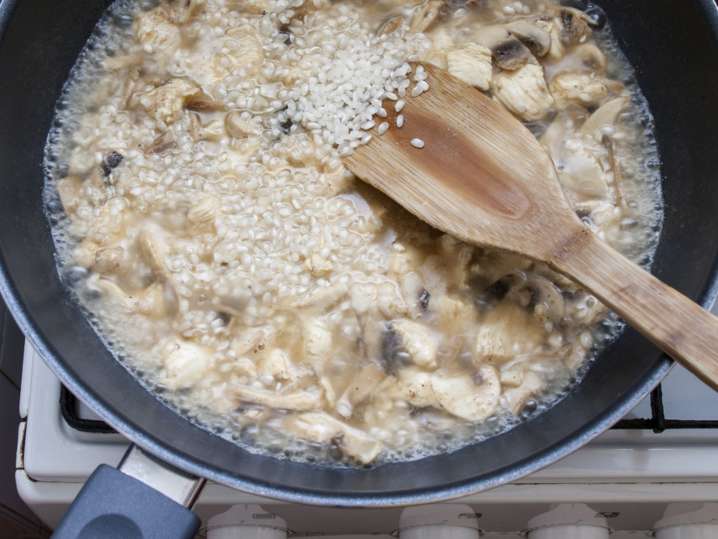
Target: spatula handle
[{"x": 674, "y": 323}]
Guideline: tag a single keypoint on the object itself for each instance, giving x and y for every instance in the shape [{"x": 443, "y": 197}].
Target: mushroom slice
[
  {"x": 425, "y": 15},
  {"x": 414, "y": 386},
  {"x": 157, "y": 301},
  {"x": 420, "y": 342},
  {"x": 505, "y": 331},
  {"x": 323, "y": 297},
  {"x": 252, "y": 341},
  {"x": 239, "y": 125},
  {"x": 300, "y": 400},
  {"x": 155, "y": 33},
  {"x": 185, "y": 11},
  {"x": 508, "y": 52},
  {"x": 322, "y": 428},
  {"x": 591, "y": 57},
  {"x": 185, "y": 364},
  {"x": 545, "y": 297},
  {"x": 575, "y": 27},
  {"x": 203, "y": 211},
  {"x": 360, "y": 388},
  {"x": 535, "y": 35},
  {"x": 516, "y": 398},
  {"x": 524, "y": 92},
  {"x": 471, "y": 64},
  {"x": 113, "y": 295},
  {"x": 604, "y": 117},
  {"x": 582, "y": 176},
  {"x": 390, "y": 25},
  {"x": 470, "y": 398},
  {"x": 583, "y": 89}
]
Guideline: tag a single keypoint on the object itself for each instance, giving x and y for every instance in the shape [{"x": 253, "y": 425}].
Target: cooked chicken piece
[
  {"x": 508, "y": 52},
  {"x": 524, "y": 92},
  {"x": 420, "y": 342},
  {"x": 360, "y": 388},
  {"x": 277, "y": 364},
  {"x": 536, "y": 34},
  {"x": 185, "y": 364},
  {"x": 317, "y": 351},
  {"x": 185, "y": 11},
  {"x": 390, "y": 301},
  {"x": 69, "y": 190},
  {"x": 416, "y": 297},
  {"x": 470, "y": 398},
  {"x": 252, "y": 340},
  {"x": 512, "y": 376},
  {"x": 322, "y": 428},
  {"x": 240, "y": 125},
  {"x": 582, "y": 176},
  {"x": 245, "y": 51},
  {"x": 591, "y": 58},
  {"x": 203, "y": 211},
  {"x": 505, "y": 331},
  {"x": 165, "y": 103},
  {"x": 323, "y": 297},
  {"x": 454, "y": 315},
  {"x": 299, "y": 400},
  {"x": 578, "y": 89},
  {"x": 155, "y": 33},
  {"x": 471, "y": 64},
  {"x": 413, "y": 385},
  {"x": 515, "y": 398},
  {"x": 109, "y": 260}
]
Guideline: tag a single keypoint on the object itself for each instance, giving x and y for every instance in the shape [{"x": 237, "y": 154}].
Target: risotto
[{"x": 222, "y": 249}]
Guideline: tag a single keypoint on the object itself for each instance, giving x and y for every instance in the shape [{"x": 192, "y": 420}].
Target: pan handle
[{"x": 142, "y": 498}]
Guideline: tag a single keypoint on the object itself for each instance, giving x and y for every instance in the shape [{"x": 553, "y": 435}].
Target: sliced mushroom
[
  {"x": 582, "y": 176},
  {"x": 591, "y": 57},
  {"x": 390, "y": 25},
  {"x": 536, "y": 35},
  {"x": 516, "y": 398},
  {"x": 322, "y": 428},
  {"x": 544, "y": 296},
  {"x": 390, "y": 301},
  {"x": 245, "y": 49},
  {"x": 471, "y": 64},
  {"x": 158, "y": 301},
  {"x": 185, "y": 364},
  {"x": 505, "y": 331},
  {"x": 575, "y": 27},
  {"x": 584, "y": 89},
  {"x": 512, "y": 376},
  {"x": 323, "y": 297},
  {"x": 467, "y": 397},
  {"x": 299, "y": 400},
  {"x": 508, "y": 52},
  {"x": 155, "y": 33},
  {"x": 420, "y": 342},
  {"x": 604, "y": 117},
  {"x": 524, "y": 92},
  {"x": 360, "y": 388},
  {"x": 425, "y": 15},
  {"x": 201, "y": 102}
]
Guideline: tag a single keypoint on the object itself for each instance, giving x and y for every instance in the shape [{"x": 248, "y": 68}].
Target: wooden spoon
[{"x": 485, "y": 179}]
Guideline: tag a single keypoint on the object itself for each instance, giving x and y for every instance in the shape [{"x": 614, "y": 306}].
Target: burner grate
[{"x": 658, "y": 422}]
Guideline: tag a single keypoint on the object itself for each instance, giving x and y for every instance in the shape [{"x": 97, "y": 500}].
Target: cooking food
[{"x": 221, "y": 247}]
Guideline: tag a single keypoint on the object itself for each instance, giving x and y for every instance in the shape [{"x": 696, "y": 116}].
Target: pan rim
[{"x": 172, "y": 456}]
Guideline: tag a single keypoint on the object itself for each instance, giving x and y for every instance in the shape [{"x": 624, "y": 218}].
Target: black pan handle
[{"x": 143, "y": 499}]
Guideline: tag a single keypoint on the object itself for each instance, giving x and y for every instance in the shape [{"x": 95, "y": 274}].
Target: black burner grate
[{"x": 658, "y": 422}]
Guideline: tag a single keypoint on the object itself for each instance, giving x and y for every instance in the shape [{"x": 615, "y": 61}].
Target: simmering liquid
[{"x": 205, "y": 221}]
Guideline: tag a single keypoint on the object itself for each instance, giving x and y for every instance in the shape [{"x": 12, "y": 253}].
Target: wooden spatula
[{"x": 485, "y": 179}]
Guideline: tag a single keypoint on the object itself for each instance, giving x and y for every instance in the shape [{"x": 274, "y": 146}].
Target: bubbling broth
[{"x": 204, "y": 219}]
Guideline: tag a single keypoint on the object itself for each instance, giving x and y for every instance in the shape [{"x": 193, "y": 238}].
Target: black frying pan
[{"x": 673, "y": 45}]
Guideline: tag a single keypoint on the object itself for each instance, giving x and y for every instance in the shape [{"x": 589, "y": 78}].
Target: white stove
[{"x": 628, "y": 476}]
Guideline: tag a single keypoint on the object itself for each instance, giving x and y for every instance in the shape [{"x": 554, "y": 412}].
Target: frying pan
[{"x": 674, "y": 47}]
